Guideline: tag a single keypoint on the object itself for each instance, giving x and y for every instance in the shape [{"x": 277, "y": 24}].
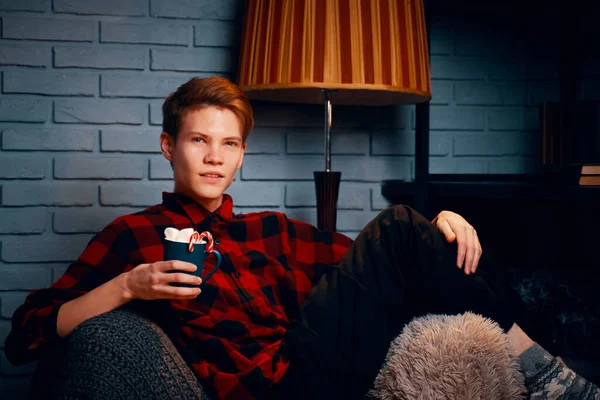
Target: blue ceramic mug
[{"x": 180, "y": 251}]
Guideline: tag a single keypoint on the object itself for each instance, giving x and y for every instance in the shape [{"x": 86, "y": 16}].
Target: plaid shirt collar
[{"x": 196, "y": 212}]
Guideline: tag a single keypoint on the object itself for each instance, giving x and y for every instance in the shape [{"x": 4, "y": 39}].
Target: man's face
[{"x": 206, "y": 154}]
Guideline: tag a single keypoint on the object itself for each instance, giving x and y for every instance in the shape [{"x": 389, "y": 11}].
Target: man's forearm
[{"x": 104, "y": 298}]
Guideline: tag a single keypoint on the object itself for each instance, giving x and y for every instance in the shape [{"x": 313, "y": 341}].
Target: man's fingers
[
  {"x": 164, "y": 266},
  {"x": 446, "y": 230},
  {"x": 174, "y": 292},
  {"x": 462, "y": 249},
  {"x": 470, "y": 253},
  {"x": 478, "y": 251},
  {"x": 476, "y": 259},
  {"x": 180, "y": 277}
]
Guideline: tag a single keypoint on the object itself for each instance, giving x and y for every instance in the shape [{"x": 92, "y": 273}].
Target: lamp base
[{"x": 327, "y": 185}]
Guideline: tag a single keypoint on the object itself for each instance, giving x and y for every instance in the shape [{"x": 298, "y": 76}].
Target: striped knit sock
[{"x": 547, "y": 378}]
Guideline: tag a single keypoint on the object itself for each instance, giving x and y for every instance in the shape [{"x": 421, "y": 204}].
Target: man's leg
[{"x": 399, "y": 267}]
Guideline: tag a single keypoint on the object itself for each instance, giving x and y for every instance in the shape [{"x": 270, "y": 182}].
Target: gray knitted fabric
[{"x": 122, "y": 355}]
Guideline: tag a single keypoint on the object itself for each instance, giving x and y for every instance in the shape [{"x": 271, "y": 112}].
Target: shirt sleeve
[
  {"x": 34, "y": 322},
  {"x": 316, "y": 250}
]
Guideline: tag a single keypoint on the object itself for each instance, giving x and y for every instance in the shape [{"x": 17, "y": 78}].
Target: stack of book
[
  {"x": 573, "y": 174},
  {"x": 590, "y": 175}
]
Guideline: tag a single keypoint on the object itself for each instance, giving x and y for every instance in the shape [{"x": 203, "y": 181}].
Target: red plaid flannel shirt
[{"x": 231, "y": 333}]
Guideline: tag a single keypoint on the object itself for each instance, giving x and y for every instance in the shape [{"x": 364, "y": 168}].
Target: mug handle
[{"x": 218, "y": 264}]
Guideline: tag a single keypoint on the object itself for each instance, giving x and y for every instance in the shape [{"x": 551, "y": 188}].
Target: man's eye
[
  {"x": 198, "y": 140},
  {"x": 230, "y": 143}
]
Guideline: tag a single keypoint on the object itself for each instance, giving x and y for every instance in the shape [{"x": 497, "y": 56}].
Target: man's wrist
[{"x": 122, "y": 288}]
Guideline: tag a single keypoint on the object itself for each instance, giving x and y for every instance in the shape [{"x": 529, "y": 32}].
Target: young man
[{"x": 293, "y": 312}]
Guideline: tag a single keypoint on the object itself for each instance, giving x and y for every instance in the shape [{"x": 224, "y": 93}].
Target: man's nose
[{"x": 214, "y": 155}]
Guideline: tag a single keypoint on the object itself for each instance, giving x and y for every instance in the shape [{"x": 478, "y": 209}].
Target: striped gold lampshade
[{"x": 372, "y": 52}]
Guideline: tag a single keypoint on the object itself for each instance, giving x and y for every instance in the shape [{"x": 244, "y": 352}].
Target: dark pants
[{"x": 399, "y": 267}]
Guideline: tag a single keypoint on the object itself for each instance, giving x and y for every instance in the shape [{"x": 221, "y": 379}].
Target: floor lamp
[{"x": 358, "y": 52}]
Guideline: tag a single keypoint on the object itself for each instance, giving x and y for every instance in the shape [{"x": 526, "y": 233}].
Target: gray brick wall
[{"x": 82, "y": 86}]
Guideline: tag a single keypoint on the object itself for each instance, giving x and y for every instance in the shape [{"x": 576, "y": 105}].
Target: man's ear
[{"x": 167, "y": 144}]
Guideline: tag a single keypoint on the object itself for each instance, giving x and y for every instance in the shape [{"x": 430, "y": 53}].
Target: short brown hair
[{"x": 202, "y": 92}]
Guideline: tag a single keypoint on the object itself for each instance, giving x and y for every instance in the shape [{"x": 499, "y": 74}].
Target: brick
[
  {"x": 267, "y": 167},
  {"x": 133, "y": 194},
  {"x": 476, "y": 93},
  {"x": 215, "y": 33},
  {"x": 512, "y": 118},
  {"x": 20, "y": 5},
  {"x": 512, "y": 165},
  {"x": 167, "y": 33},
  {"x": 311, "y": 115},
  {"x": 86, "y": 220},
  {"x": 137, "y": 141},
  {"x": 382, "y": 168},
  {"x": 58, "y": 271},
  {"x": 523, "y": 70},
  {"x": 263, "y": 140},
  {"x": 5, "y": 328},
  {"x": 25, "y": 55},
  {"x": 99, "y": 57},
  {"x": 457, "y": 118},
  {"x": 156, "y": 112},
  {"x": 139, "y": 85},
  {"x": 352, "y": 220},
  {"x": 22, "y": 220},
  {"x": 532, "y": 119},
  {"x": 7, "y": 368},
  {"x": 308, "y": 215},
  {"x": 22, "y": 167},
  {"x": 25, "y": 277},
  {"x": 10, "y": 301},
  {"x": 378, "y": 202},
  {"x": 54, "y": 29},
  {"x": 445, "y": 67},
  {"x": 487, "y": 144},
  {"x": 442, "y": 92},
  {"x": 49, "y": 139},
  {"x": 132, "y": 8},
  {"x": 205, "y": 59},
  {"x": 441, "y": 37},
  {"x": 544, "y": 91},
  {"x": 17, "y": 110},
  {"x": 197, "y": 9},
  {"x": 488, "y": 38},
  {"x": 352, "y": 196},
  {"x": 402, "y": 143},
  {"x": 160, "y": 168},
  {"x": 256, "y": 194},
  {"x": 102, "y": 167},
  {"x": 50, "y": 83},
  {"x": 95, "y": 111},
  {"x": 48, "y": 194},
  {"x": 65, "y": 248},
  {"x": 391, "y": 118},
  {"x": 351, "y": 234},
  {"x": 461, "y": 165},
  {"x": 311, "y": 141}
]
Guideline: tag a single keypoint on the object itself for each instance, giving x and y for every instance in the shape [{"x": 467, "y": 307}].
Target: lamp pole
[{"x": 327, "y": 183}]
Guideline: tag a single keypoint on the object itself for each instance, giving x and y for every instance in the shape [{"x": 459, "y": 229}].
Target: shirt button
[
  {"x": 212, "y": 217},
  {"x": 217, "y": 241},
  {"x": 237, "y": 275}
]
